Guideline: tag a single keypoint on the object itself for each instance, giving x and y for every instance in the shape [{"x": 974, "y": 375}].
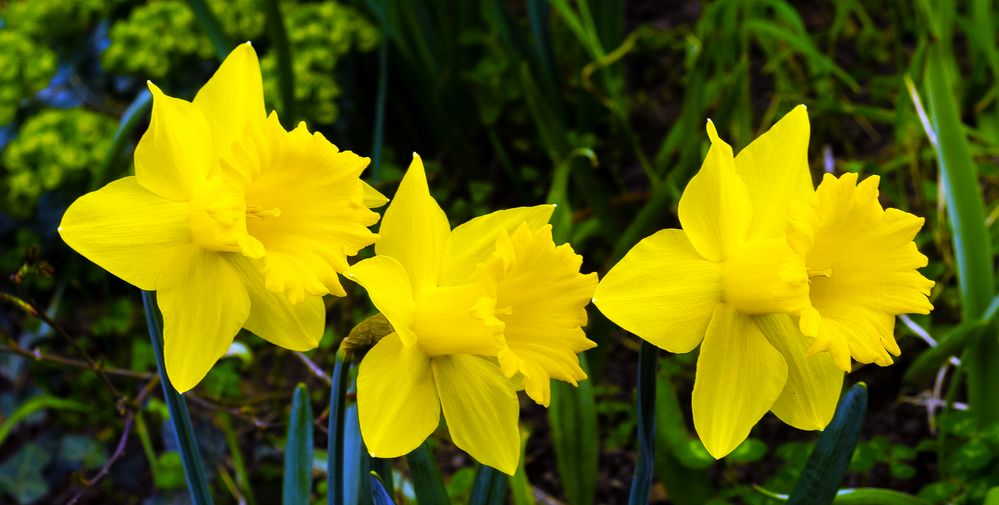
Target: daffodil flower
[
  {"x": 233, "y": 221},
  {"x": 765, "y": 275},
  {"x": 476, "y": 311}
]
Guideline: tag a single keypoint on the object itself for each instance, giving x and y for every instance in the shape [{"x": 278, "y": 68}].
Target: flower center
[
  {"x": 766, "y": 277},
  {"x": 447, "y": 323},
  {"x": 218, "y": 217}
]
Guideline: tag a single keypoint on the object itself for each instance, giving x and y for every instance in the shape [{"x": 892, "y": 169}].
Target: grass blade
[
  {"x": 379, "y": 495},
  {"x": 489, "y": 487},
  {"x": 136, "y": 111},
  {"x": 206, "y": 18},
  {"x": 827, "y": 464},
  {"x": 35, "y": 404},
  {"x": 187, "y": 443},
  {"x": 972, "y": 244},
  {"x": 641, "y": 482},
  {"x": 426, "y": 477},
  {"x": 335, "y": 444},
  {"x": 286, "y": 75},
  {"x": 573, "y": 420},
  {"x": 298, "y": 451}
]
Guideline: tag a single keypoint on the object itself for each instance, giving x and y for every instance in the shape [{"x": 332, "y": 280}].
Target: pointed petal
[
  {"x": 372, "y": 197},
  {"x": 204, "y": 305},
  {"x": 414, "y": 229},
  {"x": 662, "y": 291},
  {"x": 233, "y": 97},
  {"x": 294, "y": 326},
  {"x": 474, "y": 241},
  {"x": 127, "y": 230},
  {"x": 481, "y": 409},
  {"x": 396, "y": 398},
  {"x": 774, "y": 168},
  {"x": 389, "y": 288},
  {"x": 814, "y": 383},
  {"x": 739, "y": 376},
  {"x": 176, "y": 154},
  {"x": 715, "y": 208}
]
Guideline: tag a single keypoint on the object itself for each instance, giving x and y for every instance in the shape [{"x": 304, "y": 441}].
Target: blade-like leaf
[
  {"x": 827, "y": 464},
  {"x": 573, "y": 419},
  {"x": 379, "y": 495},
  {"x": 490, "y": 487},
  {"x": 298, "y": 451},
  {"x": 641, "y": 482},
  {"x": 426, "y": 477}
]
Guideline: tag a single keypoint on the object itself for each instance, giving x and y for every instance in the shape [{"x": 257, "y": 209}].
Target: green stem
[
  {"x": 187, "y": 444},
  {"x": 641, "y": 483}
]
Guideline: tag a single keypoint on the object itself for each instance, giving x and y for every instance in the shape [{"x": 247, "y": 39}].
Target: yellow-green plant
[{"x": 779, "y": 283}]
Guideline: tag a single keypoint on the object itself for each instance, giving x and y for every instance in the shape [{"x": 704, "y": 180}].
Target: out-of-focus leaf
[
  {"x": 33, "y": 405},
  {"x": 297, "y": 488},
  {"x": 573, "y": 421},
  {"x": 489, "y": 487},
  {"x": 426, "y": 477},
  {"x": 870, "y": 496},
  {"x": 21, "y": 475}
]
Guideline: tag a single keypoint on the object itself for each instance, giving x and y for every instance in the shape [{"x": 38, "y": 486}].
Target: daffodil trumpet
[{"x": 779, "y": 283}]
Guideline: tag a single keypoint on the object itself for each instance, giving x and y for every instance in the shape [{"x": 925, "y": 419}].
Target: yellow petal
[
  {"x": 540, "y": 301},
  {"x": 305, "y": 204},
  {"x": 233, "y": 97},
  {"x": 814, "y": 383},
  {"x": 774, "y": 168},
  {"x": 389, "y": 288},
  {"x": 372, "y": 197},
  {"x": 863, "y": 265},
  {"x": 176, "y": 154},
  {"x": 481, "y": 409},
  {"x": 396, "y": 398},
  {"x": 414, "y": 229},
  {"x": 715, "y": 209},
  {"x": 474, "y": 241},
  {"x": 127, "y": 230},
  {"x": 662, "y": 291},
  {"x": 204, "y": 304},
  {"x": 298, "y": 327},
  {"x": 739, "y": 376}
]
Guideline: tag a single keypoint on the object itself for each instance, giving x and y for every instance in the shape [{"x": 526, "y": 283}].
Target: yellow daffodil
[
  {"x": 765, "y": 275},
  {"x": 233, "y": 221},
  {"x": 476, "y": 311}
]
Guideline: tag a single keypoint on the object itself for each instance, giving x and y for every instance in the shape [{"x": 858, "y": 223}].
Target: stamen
[
  {"x": 261, "y": 213},
  {"x": 825, "y": 272}
]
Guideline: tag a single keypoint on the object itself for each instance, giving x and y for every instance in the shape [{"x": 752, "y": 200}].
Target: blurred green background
[{"x": 596, "y": 105}]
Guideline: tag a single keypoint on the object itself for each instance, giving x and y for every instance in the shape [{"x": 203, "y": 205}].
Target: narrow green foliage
[
  {"x": 426, "y": 477},
  {"x": 829, "y": 460},
  {"x": 213, "y": 29},
  {"x": 242, "y": 476},
  {"x": 297, "y": 488},
  {"x": 871, "y": 496},
  {"x": 286, "y": 75},
  {"x": 521, "y": 492},
  {"x": 335, "y": 445},
  {"x": 573, "y": 419},
  {"x": 379, "y": 495},
  {"x": 187, "y": 443},
  {"x": 641, "y": 482},
  {"x": 490, "y": 487},
  {"x": 135, "y": 112},
  {"x": 35, "y": 404}
]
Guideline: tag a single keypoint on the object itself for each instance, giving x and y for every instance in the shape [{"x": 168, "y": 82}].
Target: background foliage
[{"x": 598, "y": 106}]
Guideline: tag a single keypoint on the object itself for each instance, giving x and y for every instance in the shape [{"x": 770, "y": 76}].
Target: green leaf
[
  {"x": 828, "y": 462},
  {"x": 520, "y": 488},
  {"x": 187, "y": 443},
  {"x": 21, "y": 475},
  {"x": 426, "y": 477},
  {"x": 210, "y": 23},
  {"x": 871, "y": 496},
  {"x": 641, "y": 482},
  {"x": 297, "y": 488},
  {"x": 750, "y": 450},
  {"x": 379, "y": 495},
  {"x": 573, "y": 420},
  {"x": 286, "y": 75},
  {"x": 489, "y": 487},
  {"x": 33, "y": 405},
  {"x": 135, "y": 112},
  {"x": 335, "y": 468}
]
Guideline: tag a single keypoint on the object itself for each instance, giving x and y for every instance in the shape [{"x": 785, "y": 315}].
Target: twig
[
  {"x": 38, "y": 355},
  {"x": 314, "y": 368},
  {"x": 119, "y": 450}
]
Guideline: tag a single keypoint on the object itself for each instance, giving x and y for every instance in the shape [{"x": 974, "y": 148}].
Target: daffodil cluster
[
  {"x": 233, "y": 221},
  {"x": 478, "y": 312},
  {"x": 779, "y": 283}
]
